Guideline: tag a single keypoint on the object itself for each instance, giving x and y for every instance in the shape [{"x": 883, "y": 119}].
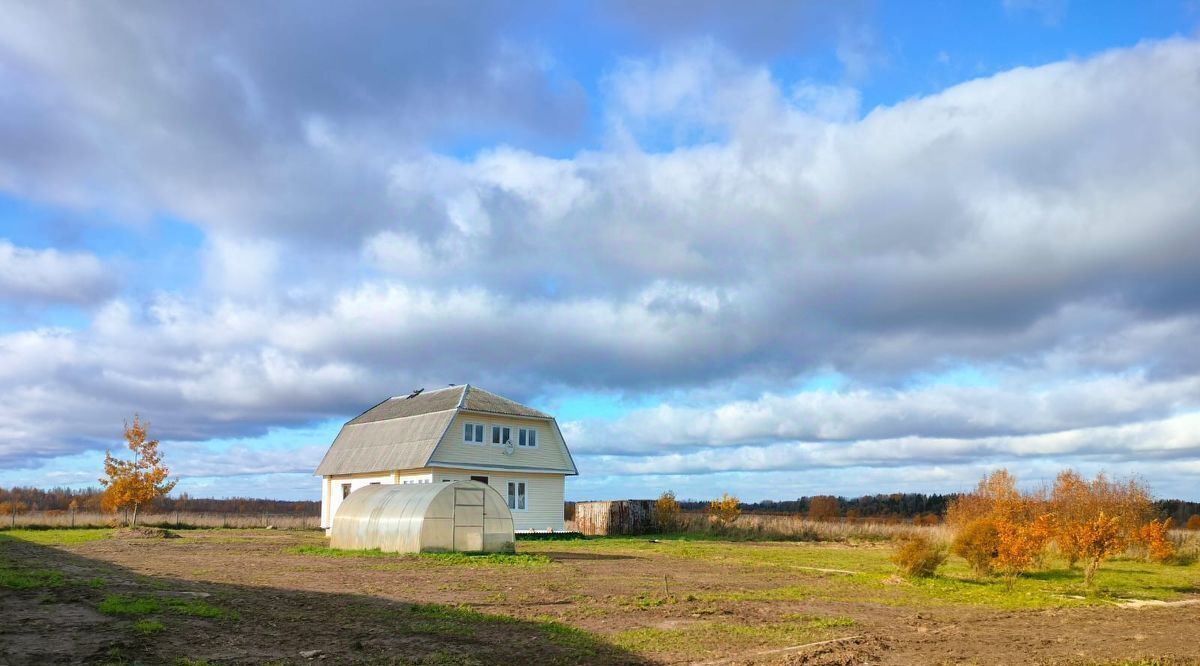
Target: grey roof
[
  {"x": 403, "y": 443},
  {"x": 470, "y": 398},
  {"x": 479, "y": 400},
  {"x": 402, "y": 432},
  {"x": 404, "y": 406}
]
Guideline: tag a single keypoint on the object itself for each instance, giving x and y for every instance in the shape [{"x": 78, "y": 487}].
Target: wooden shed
[{"x": 615, "y": 517}]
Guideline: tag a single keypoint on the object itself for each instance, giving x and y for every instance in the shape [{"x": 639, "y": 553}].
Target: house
[{"x": 453, "y": 434}]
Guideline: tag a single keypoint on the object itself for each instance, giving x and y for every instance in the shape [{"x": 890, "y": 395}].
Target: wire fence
[{"x": 61, "y": 519}]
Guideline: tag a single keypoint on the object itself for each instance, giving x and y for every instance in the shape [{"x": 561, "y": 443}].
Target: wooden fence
[{"x": 615, "y": 517}]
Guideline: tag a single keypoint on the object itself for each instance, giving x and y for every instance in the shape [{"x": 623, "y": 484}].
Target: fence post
[
  {"x": 14, "y": 514},
  {"x": 72, "y": 517}
]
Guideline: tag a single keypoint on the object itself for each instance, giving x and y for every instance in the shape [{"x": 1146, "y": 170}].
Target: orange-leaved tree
[
  {"x": 999, "y": 527},
  {"x": 1074, "y": 506},
  {"x": 1097, "y": 519},
  {"x": 995, "y": 498},
  {"x": 1193, "y": 523},
  {"x": 1101, "y": 537},
  {"x": 667, "y": 513},
  {"x": 978, "y": 542},
  {"x": 1019, "y": 545},
  {"x": 132, "y": 483},
  {"x": 725, "y": 510},
  {"x": 1156, "y": 537},
  {"x": 824, "y": 507}
]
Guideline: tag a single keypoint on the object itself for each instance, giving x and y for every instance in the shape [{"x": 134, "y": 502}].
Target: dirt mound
[
  {"x": 143, "y": 533},
  {"x": 857, "y": 650}
]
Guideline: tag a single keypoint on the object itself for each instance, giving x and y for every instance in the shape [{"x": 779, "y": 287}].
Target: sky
[{"x": 778, "y": 249}]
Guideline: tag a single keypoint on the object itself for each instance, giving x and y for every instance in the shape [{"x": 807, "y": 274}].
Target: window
[
  {"x": 501, "y": 434},
  {"x": 375, "y": 483},
  {"x": 473, "y": 433},
  {"x": 481, "y": 479},
  {"x": 516, "y": 495},
  {"x": 527, "y": 437},
  {"x": 345, "y": 490}
]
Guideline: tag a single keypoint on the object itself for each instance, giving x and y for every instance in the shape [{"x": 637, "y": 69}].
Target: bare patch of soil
[
  {"x": 376, "y": 610},
  {"x": 143, "y": 533}
]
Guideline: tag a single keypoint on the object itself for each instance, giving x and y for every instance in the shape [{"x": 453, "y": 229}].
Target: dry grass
[
  {"x": 176, "y": 519},
  {"x": 796, "y": 528}
]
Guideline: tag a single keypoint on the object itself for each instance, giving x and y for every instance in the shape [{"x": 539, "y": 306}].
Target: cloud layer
[{"x": 729, "y": 235}]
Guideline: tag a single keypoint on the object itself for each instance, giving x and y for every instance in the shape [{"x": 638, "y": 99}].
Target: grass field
[{"x": 254, "y": 596}]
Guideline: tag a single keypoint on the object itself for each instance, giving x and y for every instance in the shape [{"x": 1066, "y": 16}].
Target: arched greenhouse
[{"x": 465, "y": 516}]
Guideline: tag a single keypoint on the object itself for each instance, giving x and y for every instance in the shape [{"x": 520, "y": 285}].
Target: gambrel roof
[{"x": 403, "y": 432}]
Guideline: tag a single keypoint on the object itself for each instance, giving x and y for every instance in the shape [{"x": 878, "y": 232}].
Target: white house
[{"x": 453, "y": 434}]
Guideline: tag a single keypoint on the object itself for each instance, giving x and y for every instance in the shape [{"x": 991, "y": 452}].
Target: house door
[{"x": 468, "y": 519}]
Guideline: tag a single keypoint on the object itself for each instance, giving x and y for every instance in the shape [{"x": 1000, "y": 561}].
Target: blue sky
[{"x": 804, "y": 248}]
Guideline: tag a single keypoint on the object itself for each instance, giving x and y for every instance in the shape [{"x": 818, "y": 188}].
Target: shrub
[
  {"x": 1156, "y": 537},
  {"x": 1077, "y": 503},
  {"x": 667, "y": 514},
  {"x": 978, "y": 542},
  {"x": 824, "y": 507},
  {"x": 1019, "y": 545},
  {"x": 1187, "y": 550},
  {"x": 1193, "y": 523},
  {"x": 996, "y": 496},
  {"x": 725, "y": 510},
  {"x": 1101, "y": 539},
  {"x": 918, "y": 556}
]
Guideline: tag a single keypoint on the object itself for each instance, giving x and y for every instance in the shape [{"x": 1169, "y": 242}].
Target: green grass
[
  {"x": 14, "y": 577},
  {"x": 430, "y": 619},
  {"x": 703, "y": 638},
  {"x": 147, "y": 627},
  {"x": 58, "y": 537},
  {"x": 578, "y": 641},
  {"x": 448, "y": 559},
  {"x": 876, "y": 580},
  {"x": 140, "y": 605}
]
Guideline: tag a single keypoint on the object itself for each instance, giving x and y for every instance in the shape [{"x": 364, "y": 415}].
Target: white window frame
[
  {"x": 527, "y": 435},
  {"x": 476, "y": 429},
  {"x": 514, "y": 495},
  {"x": 498, "y": 433}
]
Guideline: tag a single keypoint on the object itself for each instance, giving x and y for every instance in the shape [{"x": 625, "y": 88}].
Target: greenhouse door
[{"x": 468, "y": 520}]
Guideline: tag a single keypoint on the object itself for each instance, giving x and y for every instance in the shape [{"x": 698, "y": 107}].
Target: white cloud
[
  {"x": 1014, "y": 408},
  {"x": 732, "y": 230},
  {"x": 52, "y": 276},
  {"x": 1170, "y": 438}
]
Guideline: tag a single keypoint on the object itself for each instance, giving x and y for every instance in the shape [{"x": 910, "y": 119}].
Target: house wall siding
[
  {"x": 331, "y": 495},
  {"x": 549, "y": 454},
  {"x": 543, "y": 494}
]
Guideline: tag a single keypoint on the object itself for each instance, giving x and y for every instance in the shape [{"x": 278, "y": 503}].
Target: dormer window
[
  {"x": 527, "y": 437},
  {"x": 473, "y": 433},
  {"x": 501, "y": 434}
]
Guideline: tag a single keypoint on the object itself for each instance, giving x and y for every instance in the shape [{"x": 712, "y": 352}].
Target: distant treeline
[
  {"x": 898, "y": 506},
  {"x": 1177, "y": 510},
  {"x": 88, "y": 499},
  {"x": 886, "y": 508}
]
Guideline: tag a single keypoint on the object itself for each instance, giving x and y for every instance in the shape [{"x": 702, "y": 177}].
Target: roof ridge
[
  {"x": 399, "y": 418},
  {"x": 462, "y": 400},
  {"x": 423, "y": 392}
]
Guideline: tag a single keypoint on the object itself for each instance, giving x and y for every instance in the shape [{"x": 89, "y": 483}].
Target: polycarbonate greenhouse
[{"x": 465, "y": 516}]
